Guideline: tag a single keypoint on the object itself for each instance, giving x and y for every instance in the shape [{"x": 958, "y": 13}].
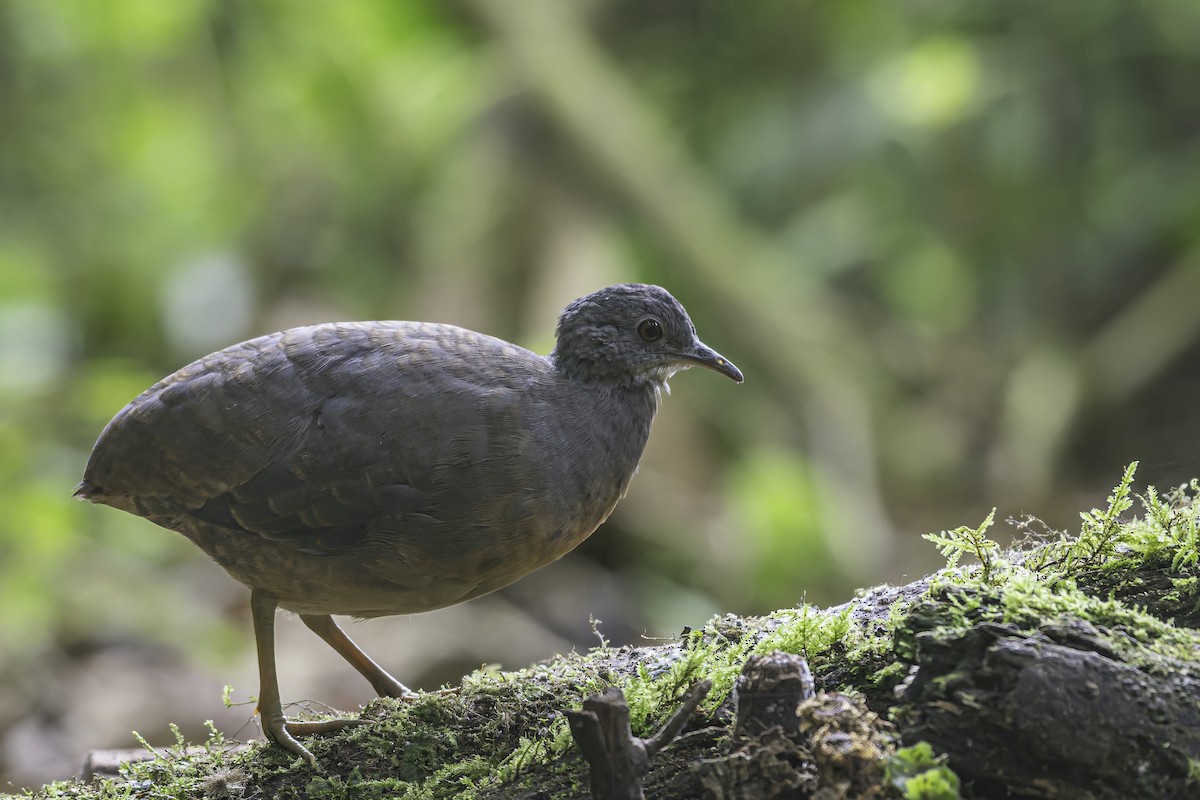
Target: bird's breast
[{"x": 590, "y": 457}]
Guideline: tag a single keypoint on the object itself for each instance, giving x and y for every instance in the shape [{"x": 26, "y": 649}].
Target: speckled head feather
[{"x": 630, "y": 334}]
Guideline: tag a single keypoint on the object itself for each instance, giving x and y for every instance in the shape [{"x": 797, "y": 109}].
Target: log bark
[{"x": 1055, "y": 714}]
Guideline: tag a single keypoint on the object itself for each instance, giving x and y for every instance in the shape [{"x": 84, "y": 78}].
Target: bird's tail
[{"x": 86, "y": 490}]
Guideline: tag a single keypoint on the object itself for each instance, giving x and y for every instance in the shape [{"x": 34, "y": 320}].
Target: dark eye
[{"x": 650, "y": 329}]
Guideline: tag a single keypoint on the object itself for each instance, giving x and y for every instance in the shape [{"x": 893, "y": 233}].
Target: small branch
[
  {"x": 670, "y": 731},
  {"x": 617, "y": 759}
]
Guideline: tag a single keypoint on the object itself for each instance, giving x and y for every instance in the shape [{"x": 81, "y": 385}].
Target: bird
[{"x": 374, "y": 468}]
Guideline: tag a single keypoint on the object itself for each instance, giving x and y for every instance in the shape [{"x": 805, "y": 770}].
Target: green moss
[
  {"x": 1042, "y": 586},
  {"x": 808, "y": 631},
  {"x": 891, "y": 674},
  {"x": 919, "y": 774},
  {"x": 1194, "y": 771},
  {"x": 1183, "y": 589},
  {"x": 711, "y": 653},
  {"x": 965, "y": 540}
]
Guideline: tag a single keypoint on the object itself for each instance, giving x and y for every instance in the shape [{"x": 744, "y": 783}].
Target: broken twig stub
[{"x": 617, "y": 759}]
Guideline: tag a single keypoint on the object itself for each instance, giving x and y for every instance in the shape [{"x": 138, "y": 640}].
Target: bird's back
[{"x": 373, "y": 468}]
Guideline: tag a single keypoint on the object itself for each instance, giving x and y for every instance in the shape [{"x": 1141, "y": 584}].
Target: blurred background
[{"x": 954, "y": 246}]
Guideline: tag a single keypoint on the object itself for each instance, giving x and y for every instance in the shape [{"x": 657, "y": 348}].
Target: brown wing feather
[{"x": 314, "y": 436}]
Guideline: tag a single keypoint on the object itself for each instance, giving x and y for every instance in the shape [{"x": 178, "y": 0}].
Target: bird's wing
[{"x": 318, "y": 437}]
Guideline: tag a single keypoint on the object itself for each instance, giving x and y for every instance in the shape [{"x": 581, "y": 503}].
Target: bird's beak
[{"x": 705, "y": 356}]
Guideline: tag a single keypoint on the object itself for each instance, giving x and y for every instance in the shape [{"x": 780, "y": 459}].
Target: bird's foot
[
  {"x": 387, "y": 686},
  {"x": 284, "y": 733}
]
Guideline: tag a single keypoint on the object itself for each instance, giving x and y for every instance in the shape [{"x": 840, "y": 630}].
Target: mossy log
[
  {"x": 1054, "y": 713},
  {"x": 1036, "y": 682}
]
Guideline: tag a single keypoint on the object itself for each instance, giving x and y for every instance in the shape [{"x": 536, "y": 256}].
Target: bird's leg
[
  {"x": 385, "y": 685},
  {"x": 274, "y": 724}
]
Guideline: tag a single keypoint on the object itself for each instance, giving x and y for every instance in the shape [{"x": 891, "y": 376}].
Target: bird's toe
[{"x": 284, "y": 733}]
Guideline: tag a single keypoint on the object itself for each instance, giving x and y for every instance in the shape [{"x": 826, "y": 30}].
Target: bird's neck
[
  {"x": 631, "y": 429},
  {"x": 643, "y": 398},
  {"x": 613, "y": 408},
  {"x": 600, "y": 373}
]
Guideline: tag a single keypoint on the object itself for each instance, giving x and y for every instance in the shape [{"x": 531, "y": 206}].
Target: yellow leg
[
  {"x": 274, "y": 724},
  {"x": 385, "y": 685}
]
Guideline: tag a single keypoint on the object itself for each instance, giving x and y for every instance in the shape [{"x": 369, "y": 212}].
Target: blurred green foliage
[{"x": 954, "y": 246}]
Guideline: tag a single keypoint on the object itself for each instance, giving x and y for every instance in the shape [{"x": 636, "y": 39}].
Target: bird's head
[{"x": 631, "y": 334}]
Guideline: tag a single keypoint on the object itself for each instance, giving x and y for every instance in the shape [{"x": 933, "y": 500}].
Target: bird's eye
[{"x": 650, "y": 329}]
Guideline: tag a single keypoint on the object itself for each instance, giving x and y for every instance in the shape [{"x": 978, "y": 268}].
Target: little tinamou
[{"x": 375, "y": 468}]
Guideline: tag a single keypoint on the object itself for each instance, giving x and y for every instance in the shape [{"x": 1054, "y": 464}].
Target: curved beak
[{"x": 704, "y": 356}]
